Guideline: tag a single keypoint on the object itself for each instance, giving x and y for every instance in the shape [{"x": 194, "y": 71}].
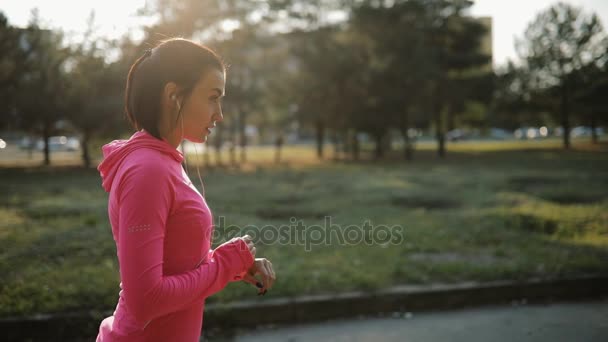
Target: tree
[
  {"x": 42, "y": 96},
  {"x": 557, "y": 44},
  {"x": 397, "y": 60},
  {"x": 589, "y": 97},
  {"x": 453, "y": 55},
  {"x": 246, "y": 77},
  {"x": 12, "y": 66},
  {"x": 95, "y": 91},
  {"x": 310, "y": 86},
  {"x": 431, "y": 61}
]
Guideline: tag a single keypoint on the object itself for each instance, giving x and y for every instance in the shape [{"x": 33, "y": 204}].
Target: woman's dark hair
[{"x": 176, "y": 60}]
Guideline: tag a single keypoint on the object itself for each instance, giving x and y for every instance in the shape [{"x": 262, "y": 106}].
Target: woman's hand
[{"x": 263, "y": 267}]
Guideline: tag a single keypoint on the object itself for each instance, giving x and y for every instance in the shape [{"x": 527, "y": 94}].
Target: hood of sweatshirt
[{"x": 114, "y": 153}]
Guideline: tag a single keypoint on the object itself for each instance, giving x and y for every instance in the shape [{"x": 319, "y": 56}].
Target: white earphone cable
[
  {"x": 198, "y": 171},
  {"x": 196, "y": 152}
]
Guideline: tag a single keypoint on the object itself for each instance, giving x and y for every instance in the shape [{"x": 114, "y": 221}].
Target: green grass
[{"x": 487, "y": 212}]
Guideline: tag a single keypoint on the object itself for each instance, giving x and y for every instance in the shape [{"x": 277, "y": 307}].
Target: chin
[{"x": 198, "y": 139}]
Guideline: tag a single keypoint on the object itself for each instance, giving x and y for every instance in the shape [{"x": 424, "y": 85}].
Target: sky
[
  {"x": 115, "y": 17},
  {"x": 511, "y": 17}
]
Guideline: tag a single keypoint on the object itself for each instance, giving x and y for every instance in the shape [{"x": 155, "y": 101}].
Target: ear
[{"x": 170, "y": 94}]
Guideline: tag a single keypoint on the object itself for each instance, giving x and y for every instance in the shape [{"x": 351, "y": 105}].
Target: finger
[
  {"x": 271, "y": 268},
  {"x": 253, "y": 281},
  {"x": 266, "y": 275},
  {"x": 247, "y": 238},
  {"x": 258, "y": 269},
  {"x": 271, "y": 273},
  {"x": 261, "y": 284},
  {"x": 252, "y": 251}
]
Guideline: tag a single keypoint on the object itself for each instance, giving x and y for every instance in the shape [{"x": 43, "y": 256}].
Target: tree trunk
[
  {"x": 407, "y": 144},
  {"x": 86, "y": 157},
  {"x": 320, "y": 134},
  {"x": 345, "y": 143},
  {"x": 46, "y": 134},
  {"x": 564, "y": 117},
  {"x": 232, "y": 151},
  {"x": 441, "y": 144},
  {"x": 387, "y": 143},
  {"x": 218, "y": 146},
  {"x": 379, "y": 150},
  {"x": 277, "y": 155},
  {"x": 594, "y": 137},
  {"x": 30, "y": 147},
  {"x": 355, "y": 146},
  {"x": 243, "y": 135},
  {"x": 336, "y": 143},
  {"x": 439, "y": 134}
]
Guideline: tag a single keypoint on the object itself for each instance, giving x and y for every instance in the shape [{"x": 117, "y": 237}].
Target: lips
[{"x": 210, "y": 128}]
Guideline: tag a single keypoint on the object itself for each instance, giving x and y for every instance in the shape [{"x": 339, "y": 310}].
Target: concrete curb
[
  {"x": 269, "y": 311},
  {"x": 401, "y": 299}
]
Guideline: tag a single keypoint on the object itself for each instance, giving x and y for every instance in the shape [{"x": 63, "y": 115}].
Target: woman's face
[{"x": 203, "y": 109}]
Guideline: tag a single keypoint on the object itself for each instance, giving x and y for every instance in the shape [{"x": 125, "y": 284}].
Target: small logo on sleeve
[{"x": 139, "y": 228}]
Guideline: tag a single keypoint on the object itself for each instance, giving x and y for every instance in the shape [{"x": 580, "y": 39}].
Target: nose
[{"x": 219, "y": 117}]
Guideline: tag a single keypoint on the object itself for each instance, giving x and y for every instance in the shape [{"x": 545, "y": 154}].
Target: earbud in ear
[{"x": 173, "y": 98}]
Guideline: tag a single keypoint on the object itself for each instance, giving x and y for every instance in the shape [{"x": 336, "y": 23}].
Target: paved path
[{"x": 577, "y": 322}]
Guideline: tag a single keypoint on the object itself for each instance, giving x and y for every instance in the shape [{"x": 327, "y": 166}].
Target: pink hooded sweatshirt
[{"x": 162, "y": 227}]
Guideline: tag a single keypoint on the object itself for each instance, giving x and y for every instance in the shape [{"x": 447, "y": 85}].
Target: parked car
[
  {"x": 584, "y": 131},
  {"x": 59, "y": 143},
  {"x": 499, "y": 133},
  {"x": 529, "y": 133},
  {"x": 456, "y": 135}
]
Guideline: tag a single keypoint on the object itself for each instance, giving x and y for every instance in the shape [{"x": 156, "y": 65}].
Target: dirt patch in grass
[
  {"x": 557, "y": 190},
  {"x": 573, "y": 198},
  {"x": 424, "y": 202},
  {"x": 531, "y": 223},
  {"x": 524, "y": 183}
]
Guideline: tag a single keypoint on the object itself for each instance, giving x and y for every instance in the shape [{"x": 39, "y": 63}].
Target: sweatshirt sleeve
[
  {"x": 145, "y": 199},
  {"x": 237, "y": 277}
]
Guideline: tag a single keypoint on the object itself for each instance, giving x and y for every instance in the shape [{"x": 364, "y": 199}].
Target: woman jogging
[{"x": 161, "y": 224}]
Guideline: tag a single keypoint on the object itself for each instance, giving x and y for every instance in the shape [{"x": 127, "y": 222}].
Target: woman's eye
[{"x": 214, "y": 98}]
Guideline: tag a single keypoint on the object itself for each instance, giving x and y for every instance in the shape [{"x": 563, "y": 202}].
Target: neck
[
  {"x": 170, "y": 136},
  {"x": 172, "y": 140}
]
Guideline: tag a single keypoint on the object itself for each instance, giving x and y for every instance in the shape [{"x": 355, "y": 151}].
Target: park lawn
[{"x": 487, "y": 212}]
